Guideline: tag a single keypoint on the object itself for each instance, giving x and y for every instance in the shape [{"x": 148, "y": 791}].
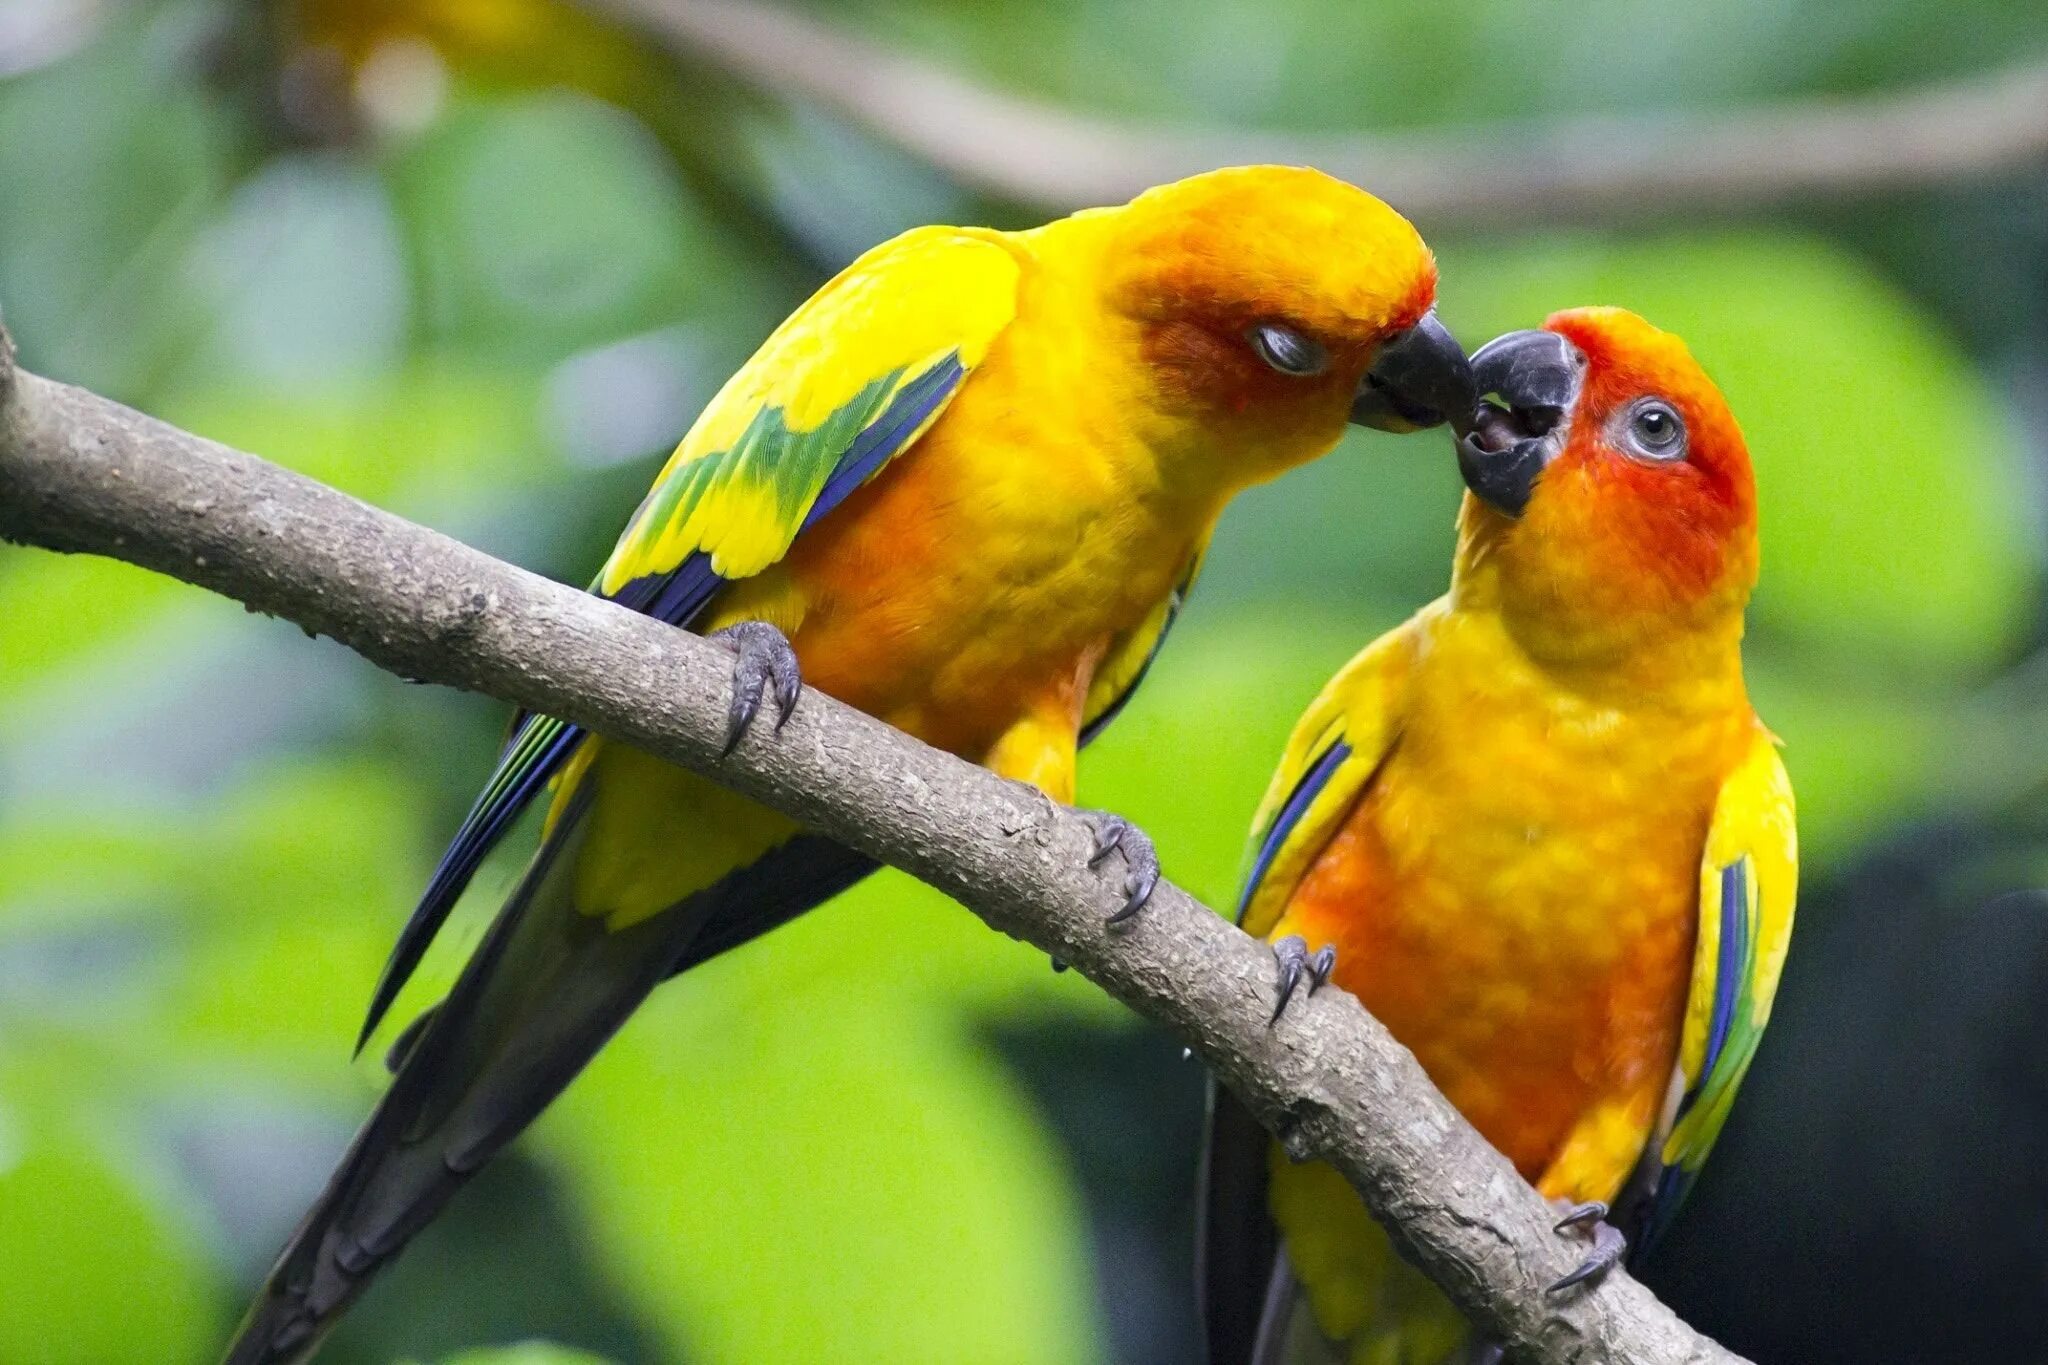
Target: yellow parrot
[
  {"x": 962, "y": 488},
  {"x": 1540, "y": 833}
]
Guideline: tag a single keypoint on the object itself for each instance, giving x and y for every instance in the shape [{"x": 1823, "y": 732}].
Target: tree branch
[
  {"x": 1593, "y": 169},
  {"x": 81, "y": 473}
]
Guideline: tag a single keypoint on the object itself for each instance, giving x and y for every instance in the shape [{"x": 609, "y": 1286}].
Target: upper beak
[
  {"x": 1504, "y": 450},
  {"x": 1419, "y": 379}
]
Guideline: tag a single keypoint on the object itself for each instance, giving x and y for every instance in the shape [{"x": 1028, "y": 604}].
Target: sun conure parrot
[
  {"x": 1539, "y": 832},
  {"x": 963, "y": 488}
]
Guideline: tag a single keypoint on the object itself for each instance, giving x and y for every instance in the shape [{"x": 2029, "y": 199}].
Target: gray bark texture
[{"x": 83, "y": 474}]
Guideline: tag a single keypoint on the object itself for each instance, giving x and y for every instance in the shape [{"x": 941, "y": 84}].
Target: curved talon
[
  {"x": 1109, "y": 834},
  {"x": 1295, "y": 959},
  {"x": 1609, "y": 1246},
  {"x": 1114, "y": 834},
  {"x": 1579, "y": 1215},
  {"x": 765, "y": 656}
]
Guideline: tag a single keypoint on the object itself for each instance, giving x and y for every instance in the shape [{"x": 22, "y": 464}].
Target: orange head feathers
[
  {"x": 1611, "y": 492},
  {"x": 1258, "y": 243},
  {"x": 1278, "y": 295}
]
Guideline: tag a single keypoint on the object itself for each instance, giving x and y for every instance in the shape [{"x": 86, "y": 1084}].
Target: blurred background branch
[
  {"x": 1600, "y": 169},
  {"x": 81, "y": 474}
]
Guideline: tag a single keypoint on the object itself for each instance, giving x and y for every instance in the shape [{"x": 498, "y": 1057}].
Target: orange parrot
[
  {"x": 1539, "y": 832},
  {"x": 963, "y": 488}
]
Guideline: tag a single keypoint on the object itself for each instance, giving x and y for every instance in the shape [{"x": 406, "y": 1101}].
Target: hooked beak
[
  {"x": 1419, "y": 379},
  {"x": 1505, "y": 449}
]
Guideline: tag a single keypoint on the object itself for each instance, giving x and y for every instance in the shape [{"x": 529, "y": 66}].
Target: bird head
[
  {"x": 1270, "y": 305},
  {"x": 1610, "y": 490}
]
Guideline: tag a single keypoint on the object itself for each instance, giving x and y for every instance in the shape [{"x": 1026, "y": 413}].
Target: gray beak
[
  {"x": 1505, "y": 450},
  {"x": 1419, "y": 379}
]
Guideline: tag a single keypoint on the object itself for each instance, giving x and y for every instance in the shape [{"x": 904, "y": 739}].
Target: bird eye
[
  {"x": 1655, "y": 431},
  {"x": 1287, "y": 350}
]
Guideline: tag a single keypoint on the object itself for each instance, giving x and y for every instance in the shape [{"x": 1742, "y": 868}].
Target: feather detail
[
  {"x": 1748, "y": 881},
  {"x": 849, "y": 382}
]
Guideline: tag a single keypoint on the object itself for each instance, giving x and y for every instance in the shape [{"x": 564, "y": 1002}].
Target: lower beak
[
  {"x": 1504, "y": 451},
  {"x": 1419, "y": 379}
]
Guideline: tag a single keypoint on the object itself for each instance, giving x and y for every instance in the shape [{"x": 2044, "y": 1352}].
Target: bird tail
[
  {"x": 1255, "y": 1299},
  {"x": 542, "y": 993}
]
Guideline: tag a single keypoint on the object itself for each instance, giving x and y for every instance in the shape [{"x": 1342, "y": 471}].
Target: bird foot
[
  {"x": 765, "y": 657},
  {"x": 1114, "y": 834},
  {"x": 1295, "y": 960},
  {"x": 1609, "y": 1245}
]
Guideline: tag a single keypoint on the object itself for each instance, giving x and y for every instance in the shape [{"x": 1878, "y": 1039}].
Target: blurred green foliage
[
  {"x": 496, "y": 319},
  {"x": 526, "y": 1353}
]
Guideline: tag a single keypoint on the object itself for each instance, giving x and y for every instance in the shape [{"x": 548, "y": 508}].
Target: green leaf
[
  {"x": 301, "y": 278},
  {"x": 526, "y": 1353},
  {"x": 96, "y": 1270},
  {"x": 437, "y": 431},
  {"x": 1857, "y": 753},
  {"x": 812, "y": 1168},
  {"x": 60, "y": 610},
  {"x": 614, "y": 246},
  {"x": 112, "y": 161}
]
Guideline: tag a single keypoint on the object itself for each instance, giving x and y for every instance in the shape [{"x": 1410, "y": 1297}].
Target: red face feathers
[{"x": 1612, "y": 490}]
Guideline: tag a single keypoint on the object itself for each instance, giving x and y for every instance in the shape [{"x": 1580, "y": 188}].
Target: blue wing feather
[
  {"x": 1731, "y": 976},
  {"x": 537, "y": 749},
  {"x": 907, "y": 411},
  {"x": 1298, "y": 801}
]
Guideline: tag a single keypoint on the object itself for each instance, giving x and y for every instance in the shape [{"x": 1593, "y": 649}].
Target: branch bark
[
  {"x": 81, "y": 473},
  {"x": 1593, "y": 169}
]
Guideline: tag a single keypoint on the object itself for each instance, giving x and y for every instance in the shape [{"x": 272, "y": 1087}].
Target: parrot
[
  {"x": 964, "y": 488},
  {"x": 1540, "y": 833}
]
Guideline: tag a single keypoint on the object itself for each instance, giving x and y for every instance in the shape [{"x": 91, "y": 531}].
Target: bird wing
[
  {"x": 1131, "y": 655},
  {"x": 847, "y": 383},
  {"x": 1749, "y": 877},
  {"x": 1336, "y": 747}
]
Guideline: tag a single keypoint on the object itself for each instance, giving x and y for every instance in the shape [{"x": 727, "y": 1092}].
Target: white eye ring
[
  {"x": 1652, "y": 430},
  {"x": 1287, "y": 350}
]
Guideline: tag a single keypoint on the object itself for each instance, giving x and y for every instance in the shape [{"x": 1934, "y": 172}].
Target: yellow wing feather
[
  {"x": 741, "y": 483},
  {"x": 1131, "y": 654},
  {"x": 1350, "y": 727},
  {"x": 1749, "y": 877}
]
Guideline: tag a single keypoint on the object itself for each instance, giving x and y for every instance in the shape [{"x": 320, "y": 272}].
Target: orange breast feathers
[{"x": 1514, "y": 896}]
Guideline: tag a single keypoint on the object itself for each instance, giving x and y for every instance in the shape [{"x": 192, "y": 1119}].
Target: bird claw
[
  {"x": 1114, "y": 834},
  {"x": 1581, "y": 1215},
  {"x": 765, "y": 657},
  {"x": 1609, "y": 1245},
  {"x": 1295, "y": 959}
]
